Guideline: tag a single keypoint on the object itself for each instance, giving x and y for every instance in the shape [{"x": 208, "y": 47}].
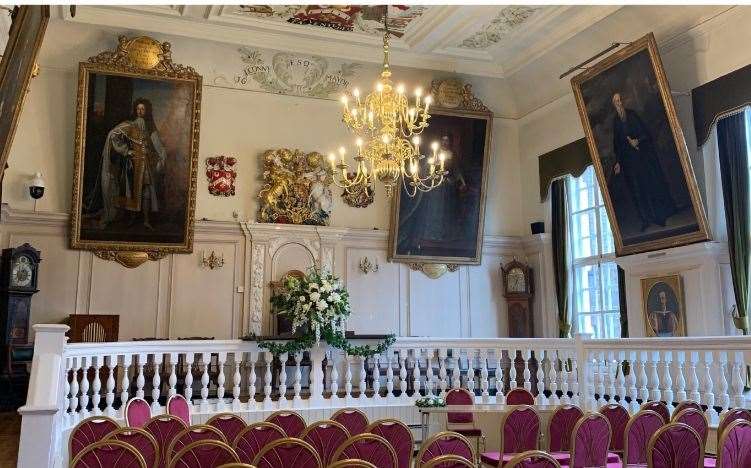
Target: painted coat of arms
[
  {"x": 296, "y": 188},
  {"x": 220, "y": 171}
]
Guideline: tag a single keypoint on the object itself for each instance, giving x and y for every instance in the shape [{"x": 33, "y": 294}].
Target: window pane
[
  {"x": 582, "y": 191},
  {"x": 609, "y": 272},
  {"x": 584, "y": 234},
  {"x": 606, "y": 235},
  {"x": 591, "y": 323},
  {"x": 612, "y": 328},
  {"x": 587, "y": 289}
]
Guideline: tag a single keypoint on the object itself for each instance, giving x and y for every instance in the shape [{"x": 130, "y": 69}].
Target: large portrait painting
[
  {"x": 445, "y": 225},
  {"x": 639, "y": 152},
  {"x": 136, "y": 150},
  {"x": 17, "y": 68},
  {"x": 662, "y": 298}
]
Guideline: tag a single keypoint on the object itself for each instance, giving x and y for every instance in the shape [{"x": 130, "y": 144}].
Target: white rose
[
  {"x": 312, "y": 287},
  {"x": 314, "y": 296},
  {"x": 335, "y": 297},
  {"x": 321, "y": 305},
  {"x": 326, "y": 286},
  {"x": 306, "y": 306}
]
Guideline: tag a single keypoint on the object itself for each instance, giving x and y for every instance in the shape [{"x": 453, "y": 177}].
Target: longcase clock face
[
  {"x": 516, "y": 281},
  {"x": 21, "y": 273}
]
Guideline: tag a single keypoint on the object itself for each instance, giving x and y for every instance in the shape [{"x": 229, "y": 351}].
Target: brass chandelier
[{"x": 387, "y": 128}]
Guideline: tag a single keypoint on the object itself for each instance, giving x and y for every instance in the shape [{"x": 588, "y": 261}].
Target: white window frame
[{"x": 598, "y": 259}]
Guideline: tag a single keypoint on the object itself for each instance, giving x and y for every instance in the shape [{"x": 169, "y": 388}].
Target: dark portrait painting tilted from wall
[
  {"x": 445, "y": 224},
  {"x": 135, "y": 176},
  {"x": 639, "y": 151}
]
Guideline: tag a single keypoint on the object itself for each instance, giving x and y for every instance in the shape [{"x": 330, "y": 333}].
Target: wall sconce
[
  {"x": 367, "y": 267},
  {"x": 213, "y": 261}
]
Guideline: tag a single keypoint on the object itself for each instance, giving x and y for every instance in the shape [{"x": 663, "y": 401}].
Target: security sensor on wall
[{"x": 36, "y": 188}]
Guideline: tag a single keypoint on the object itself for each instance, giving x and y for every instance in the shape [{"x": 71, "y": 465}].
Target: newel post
[
  {"x": 583, "y": 368},
  {"x": 41, "y": 418}
]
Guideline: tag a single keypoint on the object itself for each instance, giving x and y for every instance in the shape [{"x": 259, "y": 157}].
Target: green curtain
[
  {"x": 731, "y": 140},
  {"x": 560, "y": 267},
  {"x": 622, "y": 302}
]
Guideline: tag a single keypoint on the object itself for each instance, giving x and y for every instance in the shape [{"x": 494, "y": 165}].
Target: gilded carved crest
[
  {"x": 296, "y": 188},
  {"x": 144, "y": 54}
]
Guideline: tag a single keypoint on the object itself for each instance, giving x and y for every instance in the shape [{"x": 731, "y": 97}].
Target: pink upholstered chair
[
  {"x": 675, "y": 445},
  {"x": 590, "y": 442},
  {"x": 137, "y": 412},
  {"x": 253, "y": 438},
  {"x": 89, "y": 431},
  {"x": 236, "y": 465},
  {"x": 449, "y": 461},
  {"x": 325, "y": 437},
  {"x": 696, "y": 419},
  {"x": 618, "y": 417},
  {"x": 368, "y": 447},
  {"x": 533, "y": 459},
  {"x": 204, "y": 454},
  {"x": 353, "y": 419},
  {"x": 520, "y": 396},
  {"x": 178, "y": 406},
  {"x": 658, "y": 407},
  {"x": 292, "y": 423},
  {"x": 734, "y": 449},
  {"x": 561, "y": 426},
  {"x": 141, "y": 440},
  {"x": 399, "y": 436},
  {"x": 164, "y": 428},
  {"x": 108, "y": 454},
  {"x": 639, "y": 430},
  {"x": 193, "y": 434},
  {"x": 351, "y": 463},
  {"x": 228, "y": 424},
  {"x": 463, "y": 423},
  {"x": 732, "y": 415},
  {"x": 520, "y": 431},
  {"x": 444, "y": 443},
  {"x": 686, "y": 404},
  {"x": 287, "y": 453}
]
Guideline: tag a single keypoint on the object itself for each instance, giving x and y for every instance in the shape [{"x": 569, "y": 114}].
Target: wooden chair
[{"x": 93, "y": 328}]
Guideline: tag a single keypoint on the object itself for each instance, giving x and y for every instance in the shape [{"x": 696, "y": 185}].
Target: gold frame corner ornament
[
  {"x": 146, "y": 58},
  {"x": 434, "y": 270}
]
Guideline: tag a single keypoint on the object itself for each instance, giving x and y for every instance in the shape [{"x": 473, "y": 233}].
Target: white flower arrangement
[
  {"x": 430, "y": 402},
  {"x": 317, "y": 300}
]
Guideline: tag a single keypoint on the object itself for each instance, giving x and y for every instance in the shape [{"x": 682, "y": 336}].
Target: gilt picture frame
[
  {"x": 663, "y": 306},
  {"x": 136, "y": 153},
  {"x": 445, "y": 225},
  {"x": 639, "y": 152}
]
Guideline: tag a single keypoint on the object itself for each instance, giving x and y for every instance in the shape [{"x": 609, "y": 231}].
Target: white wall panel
[
  {"x": 435, "y": 305},
  {"x": 374, "y": 296}
]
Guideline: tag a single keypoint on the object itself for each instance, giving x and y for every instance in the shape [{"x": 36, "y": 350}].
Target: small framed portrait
[
  {"x": 137, "y": 127},
  {"x": 662, "y": 299},
  {"x": 445, "y": 225},
  {"x": 639, "y": 152}
]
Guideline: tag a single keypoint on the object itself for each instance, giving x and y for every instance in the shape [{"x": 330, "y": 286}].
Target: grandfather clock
[
  {"x": 518, "y": 291},
  {"x": 18, "y": 282}
]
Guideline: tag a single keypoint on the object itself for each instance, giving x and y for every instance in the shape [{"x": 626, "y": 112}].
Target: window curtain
[
  {"x": 622, "y": 302},
  {"x": 733, "y": 156},
  {"x": 560, "y": 254}
]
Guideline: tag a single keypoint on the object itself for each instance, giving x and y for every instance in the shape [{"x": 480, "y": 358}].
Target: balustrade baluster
[
  {"x": 442, "y": 371},
  {"x": 680, "y": 380},
  {"x": 389, "y": 375},
  {"x": 601, "y": 367},
  {"x": 471, "y": 371},
  {"x": 236, "y": 380},
  {"x": 631, "y": 382},
  {"x": 456, "y": 373},
  {"x": 552, "y": 377},
  {"x": 140, "y": 379},
  {"x": 252, "y": 377},
  {"x": 667, "y": 379},
  {"x": 348, "y": 377},
  {"x": 205, "y": 360},
  {"x": 283, "y": 380},
  {"x": 512, "y": 382},
  {"x": 172, "y": 380},
  {"x": 268, "y": 359},
  {"x": 527, "y": 371},
  {"x": 429, "y": 372},
  {"x": 73, "y": 401},
  {"x": 334, "y": 374},
  {"x": 708, "y": 397},
  {"x": 612, "y": 371},
  {"x": 723, "y": 381},
  {"x": 362, "y": 386},
  {"x": 693, "y": 378},
  {"x": 593, "y": 402},
  {"x": 66, "y": 391},
  {"x": 416, "y": 374},
  {"x": 643, "y": 390},
  {"x": 564, "y": 360},
  {"x": 83, "y": 399},
  {"x": 540, "y": 375},
  {"x": 298, "y": 377},
  {"x": 97, "y": 386},
  {"x": 484, "y": 385},
  {"x": 737, "y": 379},
  {"x": 654, "y": 377},
  {"x": 125, "y": 383},
  {"x": 156, "y": 383},
  {"x": 500, "y": 397},
  {"x": 376, "y": 377},
  {"x": 621, "y": 379},
  {"x": 220, "y": 381},
  {"x": 188, "y": 389},
  {"x": 574, "y": 376},
  {"x": 403, "y": 373}
]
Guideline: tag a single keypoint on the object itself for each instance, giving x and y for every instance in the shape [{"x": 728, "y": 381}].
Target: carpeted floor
[{"x": 10, "y": 431}]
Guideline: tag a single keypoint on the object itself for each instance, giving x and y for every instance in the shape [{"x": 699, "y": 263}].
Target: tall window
[{"x": 594, "y": 274}]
